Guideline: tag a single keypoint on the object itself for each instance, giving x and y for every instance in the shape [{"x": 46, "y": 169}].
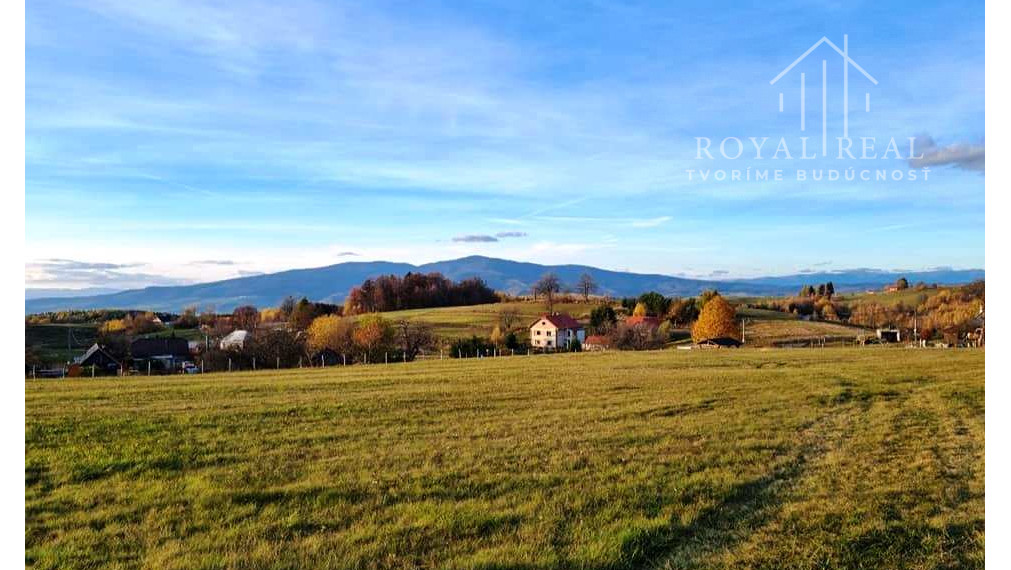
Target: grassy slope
[
  {"x": 765, "y": 327},
  {"x": 458, "y": 322},
  {"x": 768, "y": 458},
  {"x": 51, "y": 340}
]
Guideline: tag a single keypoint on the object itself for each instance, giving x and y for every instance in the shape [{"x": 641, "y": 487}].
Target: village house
[
  {"x": 889, "y": 335},
  {"x": 163, "y": 354},
  {"x": 596, "y": 343},
  {"x": 235, "y": 340},
  {"x": 643, "y": 321},
  {"x": 554, "y": 331},
  {"x": 98, "y": 357}
]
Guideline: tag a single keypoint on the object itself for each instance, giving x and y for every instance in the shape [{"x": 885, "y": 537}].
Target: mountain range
[{"x": 332, "y": 284}]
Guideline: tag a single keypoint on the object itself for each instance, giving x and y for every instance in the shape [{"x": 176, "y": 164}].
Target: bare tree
[
  {"x": 548, "y": 286},
  {"x": 586, "y": 285},
  {"x": 414, "y": 338},
  {"x": 245, "y": 317},
  {"x": 507, "y": 317}
]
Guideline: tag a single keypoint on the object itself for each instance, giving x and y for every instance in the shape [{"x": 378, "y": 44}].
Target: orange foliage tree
[{"x": 717, "y": 320}]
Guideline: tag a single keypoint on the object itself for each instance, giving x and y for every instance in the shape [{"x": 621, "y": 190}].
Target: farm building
[
  {"x": 160, "y": 353},
  {"x": 596, "y": 343},
  {"x": 234, "y": 340},
  {"x": 643, "y": 321},
  {"x": 550, "y": 332},
  {"x": 889, "y": 335},
  {"x": 99, "y": 357}
]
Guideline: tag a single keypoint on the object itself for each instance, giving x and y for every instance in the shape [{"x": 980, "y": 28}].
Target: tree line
[{"x": 416, "y": 291}]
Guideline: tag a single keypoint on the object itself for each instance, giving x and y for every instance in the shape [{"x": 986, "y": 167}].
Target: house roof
[
  {"x": 94, "y": 350},
  {"x": 597, "y": 339},
  {"x": 148, "y": 347},
  {"x": 560, "y": 320},
  {"x": 642, "y": 320},
  {"x": 235, "y": 336}
]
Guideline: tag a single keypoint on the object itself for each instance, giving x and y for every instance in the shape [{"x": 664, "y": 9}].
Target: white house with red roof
[{"x": 549, "y": 332}]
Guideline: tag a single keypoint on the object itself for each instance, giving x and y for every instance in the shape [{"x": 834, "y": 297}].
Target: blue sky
[{"x": 175, "y": 142}]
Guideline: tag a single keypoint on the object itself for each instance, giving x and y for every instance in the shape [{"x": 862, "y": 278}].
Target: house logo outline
[{"x": 847, "y": 62}]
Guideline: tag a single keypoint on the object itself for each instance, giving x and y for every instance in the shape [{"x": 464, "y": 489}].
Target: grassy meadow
[
  {"x": 815, "y": 458},
  {"x": 470, "y": 320}
]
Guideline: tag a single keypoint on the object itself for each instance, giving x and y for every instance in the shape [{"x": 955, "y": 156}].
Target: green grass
[
  {"x": 869, "y": 458},
  {"x": 785, "y": 331},
  {"x": 466, "y": 321}
]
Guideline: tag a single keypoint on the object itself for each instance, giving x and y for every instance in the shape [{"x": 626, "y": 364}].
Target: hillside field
[{"x": 813, "y": 458}]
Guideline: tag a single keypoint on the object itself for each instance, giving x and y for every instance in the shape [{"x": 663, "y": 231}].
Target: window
[
  {"x": 549, "y": 343},
  {"x": 547, "y": 333},
  {"x": 538, "y": 333}
]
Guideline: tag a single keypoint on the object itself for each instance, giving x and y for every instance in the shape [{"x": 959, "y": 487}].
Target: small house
[
  {"x": 596, "y": 343},
  {"x": 160, "y": 353},
  {"x": 99, "y": 357},
  {"x": 550, "y": 332},
  {"x": 889, "y": 335},
  {"x": 643, "y": 321},
  {"x": 235, "y": 340}
]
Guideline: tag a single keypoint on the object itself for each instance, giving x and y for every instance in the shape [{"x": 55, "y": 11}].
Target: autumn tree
[
  {"x": 373, "y": 336},
  {"x": 188, "y": 320},
  {"x": 113, "y": 326},
  {"x": 330, "y": 332},
  {"x": 286, "y": 307},
  {"x": 302, "y": 315},
  {"x": 549, "y": 286},
  {"x": 245, "y": 317},
  {"x": 640, "y": 310},
  {"x": 716, "y": 320},
  {"x": 705, "y": 297},
  {"x": 207, "y": 316},
  {"x": 586, "y": 285},
  {"x": 496, "y": 338},
  {"x": 413, "y": 338}
]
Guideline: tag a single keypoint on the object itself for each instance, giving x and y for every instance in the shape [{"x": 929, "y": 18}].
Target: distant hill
[
  {"x": 52, "y": 293},
  {"x": 333, "y": 282}
]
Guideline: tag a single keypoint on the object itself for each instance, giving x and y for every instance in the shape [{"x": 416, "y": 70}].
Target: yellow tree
[
  {"x": 717, "y": 320},
  {"x": 373, "y": 335},
  {"x": 497, "y": 338},
  {"x": 325, "y": 333},
  {"x": 640, "y": 310}
]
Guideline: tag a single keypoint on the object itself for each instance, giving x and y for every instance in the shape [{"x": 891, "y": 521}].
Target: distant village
[{"x": 369, "y": 327}]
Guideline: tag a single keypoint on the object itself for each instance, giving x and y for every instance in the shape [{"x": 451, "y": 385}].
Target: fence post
[
  {"x": 254, "y": 363},
  {"x": 229, "y": 363},
  {"x": 201, "y": 365},
  {"x": 344, "y": 358},
  {"x": 92, "y": 370},
  {"x": 278, "y": 363},
  {"x": 148, "y": 367},
  {"x": 386, "y": 358}
]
